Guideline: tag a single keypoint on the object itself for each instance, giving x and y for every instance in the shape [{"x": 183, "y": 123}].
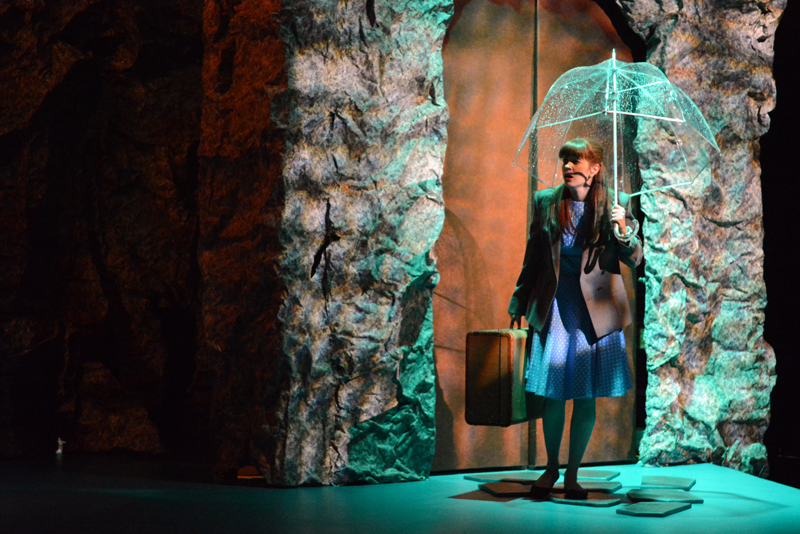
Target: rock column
[
  {"x": 710, "y": 371},
  {"x": 366, "y": 133},
  {"x": 240, "y": 199}
]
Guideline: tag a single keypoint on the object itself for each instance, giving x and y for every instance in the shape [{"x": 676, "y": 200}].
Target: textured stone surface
[
  {"x": 106, "y": 404},
  {"x": 139, "y": 243},
  {"x": 366, "y": 131},
  {"x": 240, "y": 199},
  {"x": 98, "y": 284},
  {"x": 710, "y": 371}
]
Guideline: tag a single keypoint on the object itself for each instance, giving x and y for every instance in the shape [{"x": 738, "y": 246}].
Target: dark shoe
[
  {"x": 538, "y": 492},
  {"x": 576, "y": 495}
]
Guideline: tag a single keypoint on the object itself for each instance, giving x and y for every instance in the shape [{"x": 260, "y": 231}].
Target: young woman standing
[{"x": 571, "y": 292}]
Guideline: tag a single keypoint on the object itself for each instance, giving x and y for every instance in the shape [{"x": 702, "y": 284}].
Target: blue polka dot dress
[{"x": 566, "y": 360}]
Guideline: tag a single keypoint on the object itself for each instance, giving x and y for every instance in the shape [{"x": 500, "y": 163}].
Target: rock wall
[
  {"x": 144, "y": 216},
  {"x": 710, "y": 371},
  {"x": 240, "y": 196},
  {"x": 100, "y": 114},
  {"x": 366, "y": 132}
]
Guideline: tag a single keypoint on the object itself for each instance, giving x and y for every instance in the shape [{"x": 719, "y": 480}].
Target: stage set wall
[{"x": 256, "y": 232}]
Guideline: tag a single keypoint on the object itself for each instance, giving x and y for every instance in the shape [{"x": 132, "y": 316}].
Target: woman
[{"x": 571, "y": 292}]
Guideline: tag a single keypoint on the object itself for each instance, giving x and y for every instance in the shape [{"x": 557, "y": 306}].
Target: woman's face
[{"x": 578, "y": 172}]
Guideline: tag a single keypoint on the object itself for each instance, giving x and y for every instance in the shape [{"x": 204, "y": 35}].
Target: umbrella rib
[
  {"x": 570, "y": 120},
  {"x": 641, "y": 86},
  {"x": 515, "y": 164},
  {"x": 589, "y": 90},
  {"x": 630, "y": 74},
  {"x": 670, "y": 186},
  {"x": 584, "y": 89},
  {"x": 581, "y": 80},
  {"x": 712, "y": 142},
  {"x": 648, "y": 116},
  {"x": 645, "y": 93},
  {"x": 525, "y": 138},
  {"x": 689, "y": 103},
  {"x": 683, "y": 155}
]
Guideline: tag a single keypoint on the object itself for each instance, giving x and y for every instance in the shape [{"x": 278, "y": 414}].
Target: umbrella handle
[{"x": 626, "y": 238}]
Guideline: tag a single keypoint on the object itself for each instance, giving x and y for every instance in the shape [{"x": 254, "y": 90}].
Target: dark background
[{"x": 780, "y": 182}]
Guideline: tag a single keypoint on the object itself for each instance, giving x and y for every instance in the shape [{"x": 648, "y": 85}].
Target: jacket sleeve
[
  {"x": 532, "y": 263},
  {"x": 630, "y": 255}
]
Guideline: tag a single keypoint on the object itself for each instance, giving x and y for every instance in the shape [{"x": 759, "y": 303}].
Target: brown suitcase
[{"x": 495, "y": 386}]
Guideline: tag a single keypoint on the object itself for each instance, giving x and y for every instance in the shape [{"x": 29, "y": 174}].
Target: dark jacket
[{"x": 601, "y": 282}]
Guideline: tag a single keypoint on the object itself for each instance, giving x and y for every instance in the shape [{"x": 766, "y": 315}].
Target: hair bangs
[{"x": 576, "y": 149}]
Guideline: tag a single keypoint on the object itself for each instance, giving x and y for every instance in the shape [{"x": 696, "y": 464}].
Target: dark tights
[{"x": 580, "y": 430}]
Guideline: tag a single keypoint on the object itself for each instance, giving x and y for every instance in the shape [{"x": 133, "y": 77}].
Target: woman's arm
[
  {"x": 630, "y": 248},
  {"x": 631, "y": 254},
  {"x": 531, "y": 264}
]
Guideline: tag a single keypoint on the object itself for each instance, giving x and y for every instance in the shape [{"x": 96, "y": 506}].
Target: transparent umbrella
[{"x": 653, "y": 134}]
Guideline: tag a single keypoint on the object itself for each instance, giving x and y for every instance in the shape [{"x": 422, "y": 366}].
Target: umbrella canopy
[{"x": 653, "y": 134}]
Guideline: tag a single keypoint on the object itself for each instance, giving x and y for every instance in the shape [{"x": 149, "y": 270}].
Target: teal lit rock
[
  {"x": 366, "y": 132},
  {"x": 408, "y": 427},
  {"x": 710, "y": 371}
]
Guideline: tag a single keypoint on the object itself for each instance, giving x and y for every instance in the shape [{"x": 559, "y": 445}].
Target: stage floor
[{"x": 37, "y": 498}]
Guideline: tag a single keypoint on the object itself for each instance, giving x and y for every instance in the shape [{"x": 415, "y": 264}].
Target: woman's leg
[
  {"x": 553, "y": 426},
  {"x": 580, "y": 430}
]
